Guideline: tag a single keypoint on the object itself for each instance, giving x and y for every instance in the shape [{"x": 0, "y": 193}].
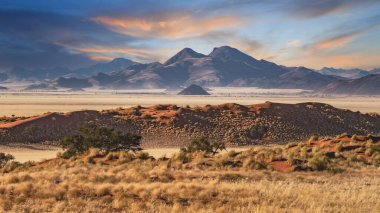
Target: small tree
[
  {"x": 258, "y": 131},
  {"x": 5, "y": 158},
  {"x": 203, "y": 145},
  {"x": 103, "y": 138}
]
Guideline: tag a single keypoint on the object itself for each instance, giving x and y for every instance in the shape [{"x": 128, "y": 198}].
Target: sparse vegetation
[
  {"x": 258, "y": 131},
  {"x": 202, "y": 144},
  {"x": 197, "y": 180},
  {"x": 104, "y": 138},
  {"x": 5, "y": 158}
]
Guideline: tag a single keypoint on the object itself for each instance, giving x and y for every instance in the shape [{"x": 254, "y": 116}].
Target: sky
[{"x": 77, "y": 33}]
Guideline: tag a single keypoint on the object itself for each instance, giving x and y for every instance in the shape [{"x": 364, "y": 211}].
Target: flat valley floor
[{"x": 29, "y": 103}]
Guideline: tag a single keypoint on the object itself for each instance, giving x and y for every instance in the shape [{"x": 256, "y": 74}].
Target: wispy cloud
[
  {"x": 341, "y": 40},
  {"x": 168, "y": 26},
  {"x": 98, "y": 52}
]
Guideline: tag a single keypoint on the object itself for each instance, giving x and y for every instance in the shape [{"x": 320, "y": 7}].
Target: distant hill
[
  {"x": 345, "y": 73},
  {"x": 375, "y": 71},
  {"x": 72, "y": 83},
  {"x": 22, "y": 73},
  {"x": 193, "y": 90},
  {"x": 42, "y": 86},
  {"x": 3, "y": 88},
  {"x": 115, "y": 65},
  {"x": 367, "y": 85}
]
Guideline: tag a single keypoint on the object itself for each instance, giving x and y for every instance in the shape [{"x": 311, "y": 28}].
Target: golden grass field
[
  {"x": 132, "y": 188},
  {"x": 39, "y": 153},
  {"x": 135, "y": 182}
]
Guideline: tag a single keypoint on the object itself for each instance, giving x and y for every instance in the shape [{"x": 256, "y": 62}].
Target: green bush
[
  {"x": 5, "y": 158},
  {"x": 104, "y": 138},
  {"x": 319, "y": 162},
  {"x": 203, "y": 145},
  {"x": 258, "y": 131}
]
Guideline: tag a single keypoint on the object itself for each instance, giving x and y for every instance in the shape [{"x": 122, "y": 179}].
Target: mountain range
[
  {"x": 367, "y": 85},
  {"x": 345, "y": 73},
  {"x": 25, "y": 74},
  {"x": 224, "y": 66}
]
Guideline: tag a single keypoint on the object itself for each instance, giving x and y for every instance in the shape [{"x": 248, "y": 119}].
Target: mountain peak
[
  {"x": 122, "y": 61},
  {"x": 185, "y": 53},
  {"x": 227, "y": 52}
]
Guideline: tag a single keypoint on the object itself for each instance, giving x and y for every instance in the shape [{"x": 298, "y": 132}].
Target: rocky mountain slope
[
  {"x": 224, "y": 66},
  {"x": 170, "y": 125},
  {"x": 368, "y": 85},
  {"x": 345, "y": 73}
]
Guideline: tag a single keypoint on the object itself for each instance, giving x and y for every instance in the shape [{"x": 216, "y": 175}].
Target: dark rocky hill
[
  {"x": 193, "y": 90},
  {"x": 170, "y": 125}
]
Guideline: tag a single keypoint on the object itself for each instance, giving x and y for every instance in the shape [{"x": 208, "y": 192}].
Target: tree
[
  {"x": 258, "y": 131},
  {"x": 203, "y": 145},
  {"x": 103, "y": 138},
  {"x": 5, "y": 158}
]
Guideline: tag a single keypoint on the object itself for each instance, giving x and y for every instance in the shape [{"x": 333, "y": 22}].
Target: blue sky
[{"x": 74, "y": 33}]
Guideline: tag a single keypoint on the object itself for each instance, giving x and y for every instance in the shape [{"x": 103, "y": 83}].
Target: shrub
[
  {"x": 354, "y": 138},
  {"x": 10, "y": 166},
  {"x": 104, "y": 138},
  {"x": 339, "y": 147},
  {"x": 313, "y": 138},
  {"x": 251, "y": 163},
  {"x": 204, "y": 145},
  {"x": 147, "y": 116},
  {"x": 32, "y": 132},
  {"x": 5, "y": 158},
  {"x": 258, "y": 131},
  {"x": 318, "y": 162}
]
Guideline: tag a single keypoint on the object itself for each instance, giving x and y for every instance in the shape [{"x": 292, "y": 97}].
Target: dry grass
[{"x": 134, "y": 182}]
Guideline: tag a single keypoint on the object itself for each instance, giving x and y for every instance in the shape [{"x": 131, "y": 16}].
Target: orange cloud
[
  {"x": 353, "y": 60},
  {"x": 335, "y": 42},
  {"x": 105, "y": 52},
  {"x": 341, "y": 40},
  {"x": 101, "y": 58},
  {"x": 179, "y": 26}
]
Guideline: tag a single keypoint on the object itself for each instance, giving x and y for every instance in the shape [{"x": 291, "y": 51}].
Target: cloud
[
  {"x": 98, "y": 52},
  {"x": 314, "y": 9},
  {"x": 346, "y": 61},
  {"x": 102, "y": 58},
  {"x": 293, "y": 43},
  {"x": 29, "y": 38},
  {"x": 341, "y": 40},
  {"x": 168, "y": 26},
  {"x": 337, "y": 41},
  {"x": 21, "y": 53},
  {"x": 299, "y": 9}
]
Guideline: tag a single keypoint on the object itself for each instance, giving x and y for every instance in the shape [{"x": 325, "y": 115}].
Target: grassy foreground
[{"x": 303, "y": 177}]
